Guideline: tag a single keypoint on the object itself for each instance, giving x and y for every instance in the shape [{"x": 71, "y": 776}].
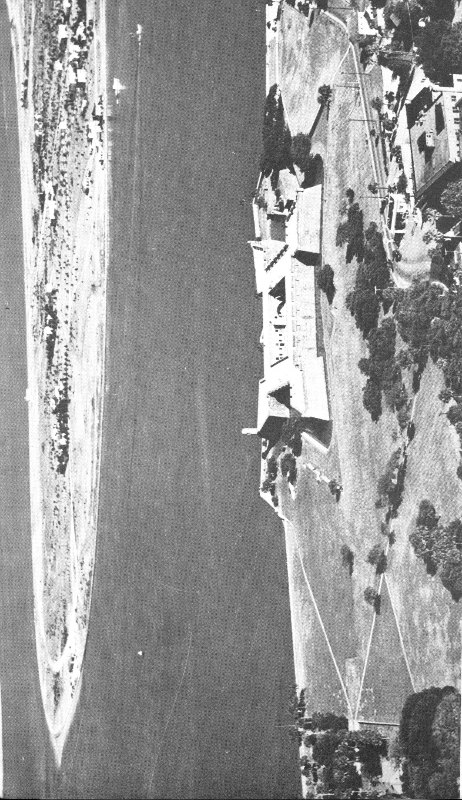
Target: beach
[{"x": 65, "y": 235}]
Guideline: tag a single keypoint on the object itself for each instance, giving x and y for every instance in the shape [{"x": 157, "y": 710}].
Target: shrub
[
  {"x": 401, "y": 185},
  {"x": 377, "y": 558},
  {"x": 272, "y": 468},
  {"x": 289, "y": 467},
  {"x": 387, "y": 482},
  {"x": 327, "y": 721},
  {"x": 372, "y": 597},
  {"x": 325, "y": 281},
  {"x": 348, "y": 558},
  {"x": 291, "y": 434}
]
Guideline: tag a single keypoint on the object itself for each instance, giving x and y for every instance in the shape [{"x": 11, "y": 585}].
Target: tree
[
  {"x": 301, "y": 151},
  {"x": 451, "y": 574},
  {"x": 377, "y": 103},
  {"x": 325, "y": 281},
  {"x": 454, "y": 413},
  {"x": 401, "y": 185},
  {"x": 325, "y": 95},
  {"x": 348, "y": 558},
  {"x": 423, "y": 542},
  {"x": 276, "y": 136},
  {"x": 426, "y": 517},
  {"x": 446, "y": 726},
  {"x": 289, "y": 467},
  {"x": 439, "y": 46},
  {"x": 377, "y": 557},
  {"x": 451, "y": 198},
  {"x": 372, "y": 399},
  {"x": 372, "y": 597}
]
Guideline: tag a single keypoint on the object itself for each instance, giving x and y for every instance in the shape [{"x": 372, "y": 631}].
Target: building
[
  {"x": 433, "y": 119},
  {"x": 294, "y": 382}
]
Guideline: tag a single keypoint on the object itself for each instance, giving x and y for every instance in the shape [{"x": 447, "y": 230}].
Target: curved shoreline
[{"x": 64, "y": 503}]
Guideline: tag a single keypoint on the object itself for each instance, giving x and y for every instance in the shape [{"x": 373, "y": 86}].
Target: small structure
[{"x": 433, "y": 118}]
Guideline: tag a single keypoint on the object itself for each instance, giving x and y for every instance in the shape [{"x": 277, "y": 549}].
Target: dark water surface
[{"x": 190, "y": 563}]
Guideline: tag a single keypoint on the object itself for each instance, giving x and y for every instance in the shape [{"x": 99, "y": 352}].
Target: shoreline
[{"x": 80, "y": 506}]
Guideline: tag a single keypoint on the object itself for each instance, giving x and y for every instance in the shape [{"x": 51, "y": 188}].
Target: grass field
[
  {"x": 308, "y": 58},
  {"x": 386, "y": 681},
  {"x": 427, "y": 617}
]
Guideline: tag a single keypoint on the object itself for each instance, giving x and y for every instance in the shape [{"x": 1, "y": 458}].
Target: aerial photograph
[{"x": 231, "y": 399}]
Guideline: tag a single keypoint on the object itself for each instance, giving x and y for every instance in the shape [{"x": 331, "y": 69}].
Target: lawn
[
  {"x": 360, "y": 449},
  {"x": 430, "y": 623},
  {"x": 386, "y": 681},
  {"x": 308, "y": 58}
]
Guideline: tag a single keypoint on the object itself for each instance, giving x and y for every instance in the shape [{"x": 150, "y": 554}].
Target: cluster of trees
[
  {"x": 451, "y": 198},
  {"x": 439, "y": 50},
  {"x": 429, "y": 741},
  {"x": 372, "y": 277},
  {"x": 440, "y": 547},
  {"x": 409, "y": 13},
  {"x": 277, "y": 142},
  {"x": 351, "y": 232},
  {"x": 337, "y": 753},
  {"x": 269, "y": 484},
  {"x": 383, "y": 371},
  {"x": 429, "y": 322}
]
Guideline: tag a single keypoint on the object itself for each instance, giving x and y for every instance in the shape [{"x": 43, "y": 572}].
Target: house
[
  {"x": 433, "y": 120},
  {"x": 294, "y": 382}
]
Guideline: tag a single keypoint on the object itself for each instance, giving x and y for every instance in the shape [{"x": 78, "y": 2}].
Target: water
[{"x": 190, "y": 564}]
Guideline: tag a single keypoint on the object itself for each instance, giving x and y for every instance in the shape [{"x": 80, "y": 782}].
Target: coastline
[{"x": 81, "y": 483}]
